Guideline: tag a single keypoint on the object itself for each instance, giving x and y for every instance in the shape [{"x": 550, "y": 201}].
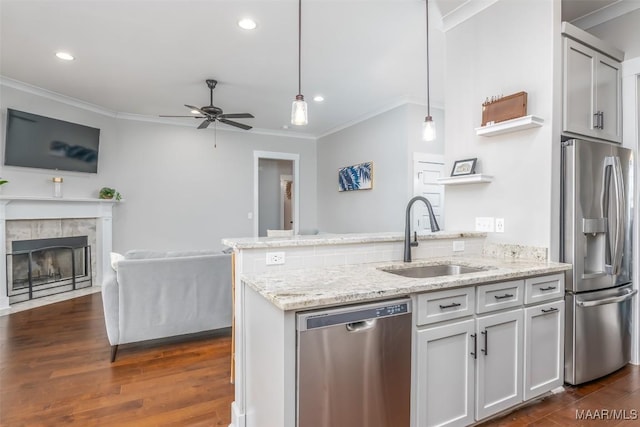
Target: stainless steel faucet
[{"x": 407, "y": 226}]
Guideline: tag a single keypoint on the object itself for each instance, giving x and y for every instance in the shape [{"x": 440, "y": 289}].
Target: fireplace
[{"x": 42, "y": 267}]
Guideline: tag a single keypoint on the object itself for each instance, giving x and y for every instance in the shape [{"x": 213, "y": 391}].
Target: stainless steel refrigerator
[{"x": 597, "y": 206}]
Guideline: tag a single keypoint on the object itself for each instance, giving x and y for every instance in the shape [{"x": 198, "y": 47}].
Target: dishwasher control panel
[{"x": 351, "y": 314}]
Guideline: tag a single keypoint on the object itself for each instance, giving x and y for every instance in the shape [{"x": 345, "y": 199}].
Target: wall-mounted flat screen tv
[{"x": 35, "y": 141}]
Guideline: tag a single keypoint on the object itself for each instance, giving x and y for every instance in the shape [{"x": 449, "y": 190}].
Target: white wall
[
  {"x": 180, "y": 192},
  {"x": 509, "y": 47},
  {"x": 386, "y": 139},
  {"x": 622, "y": 33}
]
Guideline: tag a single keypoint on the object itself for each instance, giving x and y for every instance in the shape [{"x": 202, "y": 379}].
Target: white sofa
[{"x": 163, "y": 294}]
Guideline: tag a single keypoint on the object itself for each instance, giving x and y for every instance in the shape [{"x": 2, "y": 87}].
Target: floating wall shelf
[
  {"x": 465, "y": 179},
  {"x": 513, "y": 125}
]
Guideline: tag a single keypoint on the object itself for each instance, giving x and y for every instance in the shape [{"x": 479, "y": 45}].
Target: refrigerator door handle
[
  {"x": 612, "y": 300},
  {"x": 614, "y": 243}
]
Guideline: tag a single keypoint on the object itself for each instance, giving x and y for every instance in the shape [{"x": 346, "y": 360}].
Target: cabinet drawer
[
  {"x": 543, "y": 288},
  {"x": 497, "y": 296},
  {"x": 445, "y": 305}
]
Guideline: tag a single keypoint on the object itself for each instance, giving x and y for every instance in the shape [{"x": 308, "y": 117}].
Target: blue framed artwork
[{"x": 356, "y": 177}]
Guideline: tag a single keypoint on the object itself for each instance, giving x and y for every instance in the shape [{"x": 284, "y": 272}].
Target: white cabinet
[
  {"x": 445, "y": 375},
  {"x": 543, "y": 348},
  {"x": 592, "y": 93},
  {"x": 482, "y": 350},
  {"x": 499, "y": 366}
]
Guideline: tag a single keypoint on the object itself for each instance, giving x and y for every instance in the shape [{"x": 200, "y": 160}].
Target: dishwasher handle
[
  {"x": 611, "y": 300},
  {"x": 361, "y": 326}
]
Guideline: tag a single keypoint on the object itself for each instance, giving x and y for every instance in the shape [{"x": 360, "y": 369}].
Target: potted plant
[{"x": 109, "y": 193}]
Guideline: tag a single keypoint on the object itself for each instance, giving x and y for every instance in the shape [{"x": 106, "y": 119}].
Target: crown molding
[
  {"x": 606, "y": 13},
  {"x": 54, "y": 96},
  {"x": 190, "y": 124},
  {"x": 463, "y": 12}
]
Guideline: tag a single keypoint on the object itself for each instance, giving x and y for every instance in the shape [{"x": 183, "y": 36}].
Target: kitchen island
[{"x": 267, "y": 303}]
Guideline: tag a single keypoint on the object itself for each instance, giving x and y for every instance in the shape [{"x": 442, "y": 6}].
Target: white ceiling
[{"x": 151, "y": 57}]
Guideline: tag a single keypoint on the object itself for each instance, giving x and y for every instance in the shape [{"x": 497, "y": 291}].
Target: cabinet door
[
  {"x": 543, "y": 348},
  {"x": 578, "y": 85},
  {"x": 445, "y": 371},
  {"x": 609, "y": 98},
  {"x": 499, "y": 364}
]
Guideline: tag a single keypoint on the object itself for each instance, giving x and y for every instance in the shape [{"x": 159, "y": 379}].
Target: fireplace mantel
[{"x": 34, "y": 207}]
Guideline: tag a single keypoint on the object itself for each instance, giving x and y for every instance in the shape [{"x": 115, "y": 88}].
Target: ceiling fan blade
[
  {"x": 236, "y": 124},
  {"x": 191, "y": 107},
  {"x": 204, "y": 124},
  {"x": 195, "y": 117},
  {"x": 236, "y": 116}
]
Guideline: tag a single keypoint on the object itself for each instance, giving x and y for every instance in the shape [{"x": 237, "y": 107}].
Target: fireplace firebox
[{"x": 42, "y": 267}]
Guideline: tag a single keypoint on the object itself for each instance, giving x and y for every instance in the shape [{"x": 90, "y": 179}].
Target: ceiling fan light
[
  {"x": 195, "y": 112},
  {"x": 299, "y": 111},
  {"x": 428, "y": 129}
]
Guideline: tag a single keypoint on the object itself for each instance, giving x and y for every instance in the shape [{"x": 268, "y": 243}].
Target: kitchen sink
[{"x": 436, "y": 270}]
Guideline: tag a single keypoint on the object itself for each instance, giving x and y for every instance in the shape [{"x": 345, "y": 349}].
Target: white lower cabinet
[
  {"x": 445, "y": 375},
  {"x": 499, "y": 363},
  {"x": 543, "y": 348},
  {"x": 476, "y": 365}
]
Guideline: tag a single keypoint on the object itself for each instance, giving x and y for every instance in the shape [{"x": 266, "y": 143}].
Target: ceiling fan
[{"x": 211, "y": 113}]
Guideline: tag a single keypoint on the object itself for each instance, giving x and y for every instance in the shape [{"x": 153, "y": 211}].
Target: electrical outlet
[
  {"x": 275, "y": 258},
  {"x": 484, "y": 224},
  {"x": 458, "y": 245},
  {"x": 499, "y": 225}
]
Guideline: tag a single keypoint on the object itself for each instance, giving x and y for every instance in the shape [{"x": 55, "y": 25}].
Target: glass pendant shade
[
  {"x": 428, "y": 129},
  {"x": 299, "y": 111}
]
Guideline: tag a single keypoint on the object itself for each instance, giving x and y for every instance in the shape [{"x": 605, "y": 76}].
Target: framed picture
[
  {"x": 464, "y": 167},
  {"x": 356, "y": 177}
]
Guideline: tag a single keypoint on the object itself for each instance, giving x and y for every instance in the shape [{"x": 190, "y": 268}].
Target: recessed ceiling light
[
  {"x": 318, "y": 98},
  {"x": 247, "y": 24},
  {"x": 64, "y": 55}
]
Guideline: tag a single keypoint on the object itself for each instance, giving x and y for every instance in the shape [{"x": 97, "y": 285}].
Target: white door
[
  {"x": 578, "y": 93},
  {"x": 608, "y": 98},
  {"x": 543, "y": 348},
  {"x": 445, "y": 371},
  {"x": 499, "y": 363},
  {"x": 427, "y": 168}
]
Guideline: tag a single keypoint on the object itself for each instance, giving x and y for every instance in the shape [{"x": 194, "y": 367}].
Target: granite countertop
[
  {"x": 338, "y": 239},
  {"x": 345, "y": 284}
]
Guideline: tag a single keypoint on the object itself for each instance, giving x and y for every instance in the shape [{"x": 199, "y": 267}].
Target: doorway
[
  {"x": 276, "y": 192},
  {"x": 427, "y": 168}
]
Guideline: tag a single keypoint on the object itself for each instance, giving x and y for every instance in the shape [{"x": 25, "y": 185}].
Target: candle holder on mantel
[{"x": 57, "y": 186}]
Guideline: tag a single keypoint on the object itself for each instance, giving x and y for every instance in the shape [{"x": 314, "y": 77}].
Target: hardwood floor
[{"x": 55, "y": 370}]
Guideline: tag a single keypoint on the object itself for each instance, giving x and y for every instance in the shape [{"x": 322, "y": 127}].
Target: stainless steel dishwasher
[{"x": 354, "y": 366}]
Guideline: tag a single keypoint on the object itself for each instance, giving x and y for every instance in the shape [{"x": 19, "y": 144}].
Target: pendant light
[
  {"x": 428, "y": 127},
  {"x": 299, "y": 106}
]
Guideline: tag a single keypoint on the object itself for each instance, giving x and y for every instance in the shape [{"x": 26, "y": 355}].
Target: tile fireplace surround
[{"x": 41, "y": 213}]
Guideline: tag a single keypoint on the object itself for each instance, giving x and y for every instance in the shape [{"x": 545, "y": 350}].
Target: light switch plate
[{"x": 499, "y": 225}]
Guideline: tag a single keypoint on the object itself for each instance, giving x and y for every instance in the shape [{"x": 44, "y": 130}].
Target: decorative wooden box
[{"x": 505, "y": 108}]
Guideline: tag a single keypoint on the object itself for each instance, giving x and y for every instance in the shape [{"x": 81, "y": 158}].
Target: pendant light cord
[
  {"x": 299, "y": 45},
  {"x": 428, "y": 95}
]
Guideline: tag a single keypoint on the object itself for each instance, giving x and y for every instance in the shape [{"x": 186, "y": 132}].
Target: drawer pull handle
[
  {"x": 485, "y": 350},
  {"x": 474, "y": 353},
  {"x": 503, "y": 296},
  {"x": 550, "y": 288},
  {"x": 453, "y": 304},
  {"x": 549, "y": 310}
]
